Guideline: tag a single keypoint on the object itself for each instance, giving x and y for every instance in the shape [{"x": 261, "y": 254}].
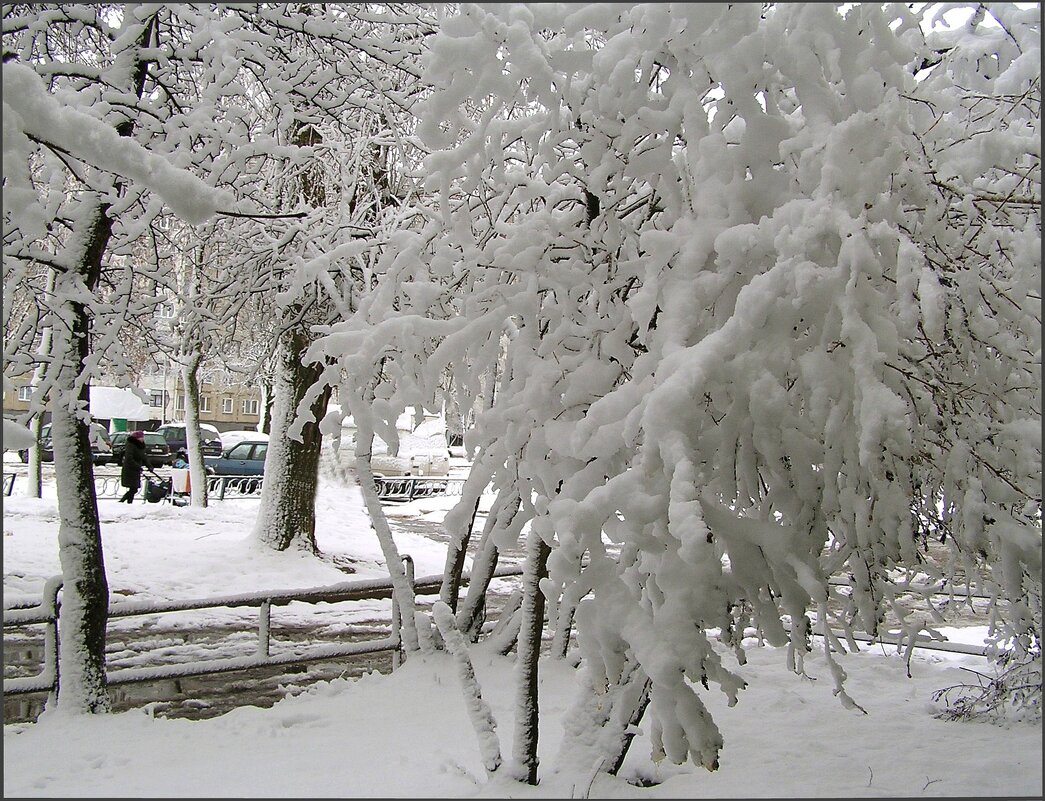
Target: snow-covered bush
[{"x": 762, "y": 287}]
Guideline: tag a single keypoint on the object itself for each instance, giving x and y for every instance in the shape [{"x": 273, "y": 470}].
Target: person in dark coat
[{"x": 133, "y": 464}]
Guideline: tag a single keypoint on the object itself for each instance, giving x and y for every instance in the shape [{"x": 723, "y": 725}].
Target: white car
[
  {"x": 230, "y": 438},
  {"x": 422, "y": 448}
]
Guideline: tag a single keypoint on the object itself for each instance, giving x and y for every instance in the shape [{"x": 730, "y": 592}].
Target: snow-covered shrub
[{"x": 762, "y": 290}]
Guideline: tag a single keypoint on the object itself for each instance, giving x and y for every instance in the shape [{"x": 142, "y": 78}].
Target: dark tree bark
[
  {"x": 502, "y": 513},
  {"x": 529, "y": 652},
  {"x": 288, "y": 507}
]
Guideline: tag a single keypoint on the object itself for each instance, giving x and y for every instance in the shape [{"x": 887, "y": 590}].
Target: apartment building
[{"x": 226, "y": 406}]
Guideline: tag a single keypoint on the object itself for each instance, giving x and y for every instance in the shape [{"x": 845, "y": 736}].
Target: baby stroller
[{"x": 157, "y": 489}]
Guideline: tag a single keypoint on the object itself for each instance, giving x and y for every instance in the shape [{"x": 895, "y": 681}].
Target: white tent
[{"x": 108, "y": 403}]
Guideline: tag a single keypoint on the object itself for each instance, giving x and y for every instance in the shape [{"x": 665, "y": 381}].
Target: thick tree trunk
[
  {"x": 527, "y": 708},
  {"x": 85, "y": 593},
  {"x": 288, "y": 496}
]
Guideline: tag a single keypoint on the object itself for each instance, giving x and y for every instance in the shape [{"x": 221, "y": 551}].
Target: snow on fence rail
[{"x": 47, "y": 612}]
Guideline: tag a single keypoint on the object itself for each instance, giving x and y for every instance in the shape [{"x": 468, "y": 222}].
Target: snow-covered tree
[
  {"x": 76, "y": 176},
  {"x": 339, "y": 112},
  {"x": 769, "y": 284}
]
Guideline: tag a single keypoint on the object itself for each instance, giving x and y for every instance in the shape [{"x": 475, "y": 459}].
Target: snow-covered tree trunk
[
  {"x": 527, "y": 706},
  {"x": 190, "y": 378},
  {"x": 603, "y": 721},
  {"x": 265, "y": 404},
  {"x": 287, "y": 516},
  {"x": 404, "y": 592},
  {"x": 34, "y": 477},
  {"x": 503, "y": 512},
  {"x": 85, "y": 593},
  {"x": 478, "y": 710},
  {"x": 460, "y": 528},
  {"x": 456, "y": 550}
]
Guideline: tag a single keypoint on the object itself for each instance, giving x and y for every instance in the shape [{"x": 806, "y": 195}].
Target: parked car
[
  {"x": 101, "y": 448},
  {"x": 422, "y": 450},
  {"x": 157, "y": 452},
  {"x": 174, "y": 434},
  {"x": 245, "y": 458},
  {"x": 230, "y": 438}
]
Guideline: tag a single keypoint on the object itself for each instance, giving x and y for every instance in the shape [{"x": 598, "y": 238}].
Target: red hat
[{"x": 139, "y": 435}]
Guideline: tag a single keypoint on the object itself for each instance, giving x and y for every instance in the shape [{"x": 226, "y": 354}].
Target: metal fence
[
  {"x": 218, "y": 487},
  {"x": 47, "y": 612},
  {"x": 391, "y": 488},
  {"x": 408, "y": 488}
]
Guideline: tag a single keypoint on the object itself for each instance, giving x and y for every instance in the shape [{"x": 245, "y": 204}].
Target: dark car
[
  {"x": 101, "y": 449},
  {"x": 245, "y": 458},
  {"x": 174, "y": 434},
  {"x": 157, "y": 454}
]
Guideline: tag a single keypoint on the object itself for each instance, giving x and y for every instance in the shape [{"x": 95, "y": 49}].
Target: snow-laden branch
[{"x": 29, "y": 110}]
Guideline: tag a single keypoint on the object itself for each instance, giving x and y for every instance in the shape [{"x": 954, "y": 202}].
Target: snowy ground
[{"x": 407, "y": 734}]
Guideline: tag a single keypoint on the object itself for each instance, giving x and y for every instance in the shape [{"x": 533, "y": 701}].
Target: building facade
[{"x": 227, "y": 406}]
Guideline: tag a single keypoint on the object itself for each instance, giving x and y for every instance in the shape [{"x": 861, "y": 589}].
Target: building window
[
  {"x": 165, "y": 311},
  {"x": 204, "y": 403},
  {"x": 156, "y": 398},
  {"x": 179, "y": 403},
  {"x": 226, "y": 405},
  {"x": 250, "y": 407},
  {"x": 25, "y": 394}
]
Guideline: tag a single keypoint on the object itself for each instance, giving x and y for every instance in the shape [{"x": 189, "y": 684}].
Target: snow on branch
[{"x": 478, "y": 710}]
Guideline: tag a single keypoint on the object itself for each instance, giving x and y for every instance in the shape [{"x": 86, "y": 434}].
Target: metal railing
[
  {"x": 223, "y": 487},
  {"x": 408, "y": 488},
  {"x": 47, "y": 611},
  {"x": 392, "y": 488},
  {"x": 218, "y": 487}
]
